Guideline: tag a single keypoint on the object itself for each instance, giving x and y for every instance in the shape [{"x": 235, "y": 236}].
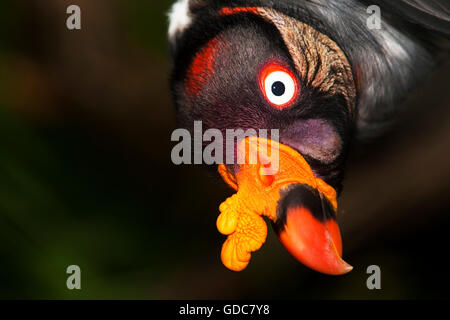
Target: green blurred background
[{"x": 86, "y": 176}]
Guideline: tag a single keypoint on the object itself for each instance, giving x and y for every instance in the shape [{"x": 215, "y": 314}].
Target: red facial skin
[
  {"x": 201, "y": 68},
  {"x": 231, "y": 11}
]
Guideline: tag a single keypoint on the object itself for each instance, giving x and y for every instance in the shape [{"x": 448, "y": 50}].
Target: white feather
[{"x": 179, "y": 18}]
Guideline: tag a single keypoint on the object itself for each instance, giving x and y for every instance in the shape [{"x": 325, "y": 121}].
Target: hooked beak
[{"x": 306, "y": 226}]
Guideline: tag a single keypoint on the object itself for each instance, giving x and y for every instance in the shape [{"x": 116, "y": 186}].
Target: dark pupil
[{"x": 278, "y": 88}]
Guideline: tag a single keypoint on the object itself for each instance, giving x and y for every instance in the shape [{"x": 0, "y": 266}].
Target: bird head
[{"x": 257, "y": 68}]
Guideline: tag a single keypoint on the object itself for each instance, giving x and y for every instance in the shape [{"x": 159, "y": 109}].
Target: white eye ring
[{"x": 280, "y": 87}]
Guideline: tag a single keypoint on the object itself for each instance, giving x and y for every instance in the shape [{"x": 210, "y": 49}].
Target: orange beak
[{"x": 307, "y": 228}]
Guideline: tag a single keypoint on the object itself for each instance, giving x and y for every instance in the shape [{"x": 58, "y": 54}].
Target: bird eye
[{"x": 279, "y": 86}]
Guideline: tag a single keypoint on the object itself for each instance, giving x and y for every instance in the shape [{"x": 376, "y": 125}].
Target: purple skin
[{"x": 313, "y": 137}]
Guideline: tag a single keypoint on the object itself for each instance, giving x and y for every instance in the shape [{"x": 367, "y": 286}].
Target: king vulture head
[{"x": 319, "y": 74}]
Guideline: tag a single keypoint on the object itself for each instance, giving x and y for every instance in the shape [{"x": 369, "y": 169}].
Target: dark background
[{"x": 86, "y": 176}]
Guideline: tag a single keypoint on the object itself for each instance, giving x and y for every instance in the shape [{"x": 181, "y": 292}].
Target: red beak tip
[{"x": 314, "y": 243}]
